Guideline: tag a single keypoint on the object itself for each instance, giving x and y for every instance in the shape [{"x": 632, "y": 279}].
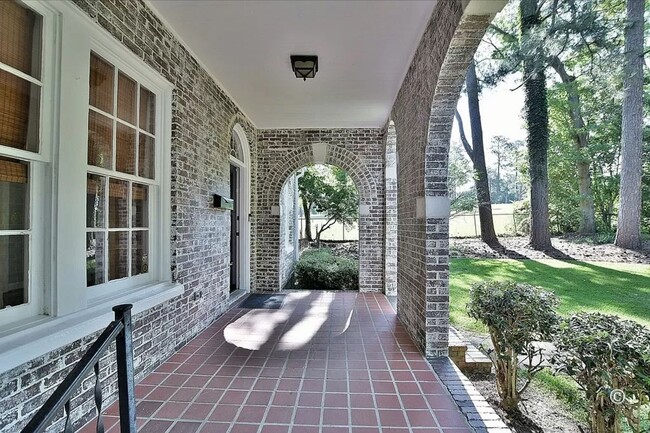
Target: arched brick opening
[
  {"x": 371, "y": 212},
  {"x": 289, "y": 251},
  {"x": 423, "y": 114},
  {"x": 462, "y": 48}
]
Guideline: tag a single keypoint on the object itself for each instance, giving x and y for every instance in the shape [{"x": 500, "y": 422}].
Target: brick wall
[
  {"x": 202, "y": 121},
  {"x": 423, "y": 114},
  {"x": 360, "y": 152}
]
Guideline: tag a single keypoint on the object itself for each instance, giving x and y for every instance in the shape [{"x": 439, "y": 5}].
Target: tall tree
[
  {"x": 628, "y": 232},
  {"x": 460, "y": 173},
  {"x": 476, "y": 153},
  {"x": 505, "y": 185},
  {"x": 580, "y": 138},
  {"x": 311, "y": 188},
  {"x": 536, "y": 116},
  {"x": 576, "y": 39},
  {"x": 328, "y": 190}
]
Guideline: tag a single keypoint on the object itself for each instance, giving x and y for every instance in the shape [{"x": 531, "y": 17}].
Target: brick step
[{"x": 467, "y": 358}]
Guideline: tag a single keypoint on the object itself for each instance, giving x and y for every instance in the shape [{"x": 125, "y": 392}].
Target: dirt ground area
[
  {"x": 564, "y": 248},
  {"x": 541, "y": 412}
]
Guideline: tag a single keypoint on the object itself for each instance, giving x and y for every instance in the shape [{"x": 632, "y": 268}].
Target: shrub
[
  {"x": 609, "y": 358},
  {"x": 516, "y": 315},
  {"x": 320, "y": 269}
]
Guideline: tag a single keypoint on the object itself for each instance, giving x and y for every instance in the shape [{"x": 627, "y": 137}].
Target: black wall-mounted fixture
[
  {"x": 304, "y": 66},
  {"x": 221, "y": 202}
]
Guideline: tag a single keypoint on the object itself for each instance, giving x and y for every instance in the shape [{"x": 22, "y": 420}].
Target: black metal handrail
[{"x": 119, "y": 330}]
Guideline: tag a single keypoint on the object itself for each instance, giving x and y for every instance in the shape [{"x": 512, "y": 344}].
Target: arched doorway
[
  {"x": 371, "y": 211},
  {"x": 319, "y": 216},
  {"x": 240, "y": 191}
]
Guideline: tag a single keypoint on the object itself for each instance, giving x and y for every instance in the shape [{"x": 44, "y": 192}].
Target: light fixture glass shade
[{"x": 304, "y": 66}]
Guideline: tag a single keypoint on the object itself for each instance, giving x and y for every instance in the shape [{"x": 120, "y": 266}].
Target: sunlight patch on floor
[
  {"x": 253, "y": 329},
  {"x": 314, "y": 318}
]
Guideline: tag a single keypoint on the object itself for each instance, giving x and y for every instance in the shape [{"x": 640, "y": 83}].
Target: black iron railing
[{"x": 119, "y": 330}]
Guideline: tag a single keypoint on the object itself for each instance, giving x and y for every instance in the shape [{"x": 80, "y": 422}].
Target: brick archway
[
  {"x": 371, "y": 209},
  {"x": 423, "y": 115}
]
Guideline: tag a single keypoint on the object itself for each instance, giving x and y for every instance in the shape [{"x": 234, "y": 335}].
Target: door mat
[{"x": 262, "y": 300}]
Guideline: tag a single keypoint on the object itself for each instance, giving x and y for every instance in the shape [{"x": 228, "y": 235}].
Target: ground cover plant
[{"x": 620, "y": 289}]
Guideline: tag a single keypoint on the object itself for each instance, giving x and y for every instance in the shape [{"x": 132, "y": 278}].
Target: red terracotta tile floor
[{"x": 326, "y": 362}]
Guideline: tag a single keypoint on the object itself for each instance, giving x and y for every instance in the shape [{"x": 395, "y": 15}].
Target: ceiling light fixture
[{"x": 304, "y": 66}]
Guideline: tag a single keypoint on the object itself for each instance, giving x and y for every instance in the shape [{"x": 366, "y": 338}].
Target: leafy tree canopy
[{"x": 330, "y": 191}]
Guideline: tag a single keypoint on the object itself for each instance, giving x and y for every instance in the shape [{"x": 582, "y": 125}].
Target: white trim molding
[
  {"x": 483, "y": 7},
  {"x": 244, "y": 208},
  {"x": 70, "y": 310}
]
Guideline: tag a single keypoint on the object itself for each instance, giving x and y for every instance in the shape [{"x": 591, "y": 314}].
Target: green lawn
[{"x": 613, "y": 288}]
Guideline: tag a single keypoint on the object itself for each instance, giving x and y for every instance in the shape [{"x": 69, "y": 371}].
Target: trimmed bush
[
  {"x": 319, "y": 269},
  {"x": 609, "y": 358},
  {"x": 516, "y": 315}
]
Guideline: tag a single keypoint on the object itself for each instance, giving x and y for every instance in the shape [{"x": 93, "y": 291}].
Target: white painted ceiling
[{"x": 364, "y": 49}]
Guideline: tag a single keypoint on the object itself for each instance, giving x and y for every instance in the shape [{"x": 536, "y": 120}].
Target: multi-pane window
[
  {"x": 121, "y": 161},
  {"x": 20, "y": 113}
]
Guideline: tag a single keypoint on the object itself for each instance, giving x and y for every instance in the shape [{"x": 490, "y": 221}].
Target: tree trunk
[
  {"x": 498, "y": 179},
  {"x": 603, "y": 419},
  {"x": 536, "y": 115},
  {"x": 581, "y": 141},
  {"x": 477, "y": 155},
  {"x": 628, "y": 232},
  {"x": 322, "y": 228},
  {"x": 306, "y": 208},
  {"x": 506, "y": 378}
]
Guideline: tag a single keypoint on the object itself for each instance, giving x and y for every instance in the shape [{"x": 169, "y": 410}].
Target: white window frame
[
  {"x": 39, "y": 178},
  {"x": 68, "y": 310}
]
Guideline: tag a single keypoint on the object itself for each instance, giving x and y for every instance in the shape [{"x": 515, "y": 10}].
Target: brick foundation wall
[
  {"x": 423, "y": 115},
  {"x": 360, "y": 152},
  {"x": 202, "y": 120}
]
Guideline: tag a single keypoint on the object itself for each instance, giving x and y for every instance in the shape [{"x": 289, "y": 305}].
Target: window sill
[{"x": 35, "y": 337}]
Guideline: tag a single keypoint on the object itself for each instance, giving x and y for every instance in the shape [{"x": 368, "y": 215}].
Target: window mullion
[
  {"x": 116, "y": 85},
  {"x": 129, "y": 224},
  {"x": 20, "y": 74},
  {"x": 137, "y": 129},
  {"x": 105, "y": 254}
]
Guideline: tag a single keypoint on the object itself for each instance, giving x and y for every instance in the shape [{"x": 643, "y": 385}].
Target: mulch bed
[
  {"x": 541, "y": 412},
  {"x": 565, "y": 248}
]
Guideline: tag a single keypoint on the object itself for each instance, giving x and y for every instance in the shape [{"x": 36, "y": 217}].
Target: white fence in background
[
  {"x": 466, "y": 224},
  {"x": 335, "y": 233}
]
